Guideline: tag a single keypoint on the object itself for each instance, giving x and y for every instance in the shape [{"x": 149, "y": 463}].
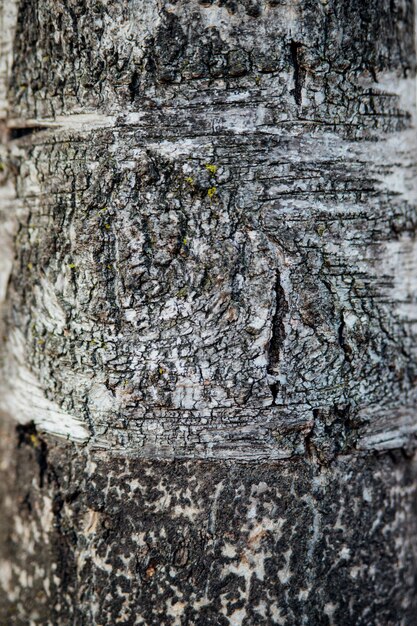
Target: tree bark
[{"x": 208, "y": 312}]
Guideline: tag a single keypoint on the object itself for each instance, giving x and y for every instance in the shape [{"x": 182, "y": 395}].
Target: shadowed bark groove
[
  {"x": 277, "y": 336},
  {"x": 298, "y": 72}
]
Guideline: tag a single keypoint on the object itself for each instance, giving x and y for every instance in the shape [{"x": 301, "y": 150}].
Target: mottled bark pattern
[
  {"x": 206, "y": 542},
  {"x": 208, "y": 262}
]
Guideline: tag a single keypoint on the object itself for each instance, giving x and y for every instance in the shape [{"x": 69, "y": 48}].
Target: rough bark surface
[{"x": 207, "y": 285}]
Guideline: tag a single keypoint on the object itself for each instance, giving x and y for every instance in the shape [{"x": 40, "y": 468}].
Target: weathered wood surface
[{"x": 208, "y": 256}]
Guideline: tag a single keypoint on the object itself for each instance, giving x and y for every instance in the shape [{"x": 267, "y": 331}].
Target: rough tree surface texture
[{"x": 208, "y": 271}]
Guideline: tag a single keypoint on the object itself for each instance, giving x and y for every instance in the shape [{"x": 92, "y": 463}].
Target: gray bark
[{"x": 208, "y": 309}]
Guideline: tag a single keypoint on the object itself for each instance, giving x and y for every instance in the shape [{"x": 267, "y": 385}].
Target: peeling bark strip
[{"x": 165, "y": 164}]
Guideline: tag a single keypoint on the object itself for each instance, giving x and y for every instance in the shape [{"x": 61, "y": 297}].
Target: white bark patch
[
  {"x": 101, "y": 399},
  {"x": 8, "y": 14},
  {"x": 51, "y": 313},
  {"x": 399, "y": 265},
  {"x": 144, "y": 17},
  {"x": 24, "y": 399},
  {"x": 7, "y": 231},
  {"x": 6, "y": 575}
]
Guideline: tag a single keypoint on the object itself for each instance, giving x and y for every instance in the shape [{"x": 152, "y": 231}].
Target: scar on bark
[
  {"x": 278, "y": 334},
  {"x": 28, "y": 435},
  {"x": 299, "y": 71}
]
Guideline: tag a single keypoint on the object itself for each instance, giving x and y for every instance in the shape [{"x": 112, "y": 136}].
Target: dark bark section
[{"x": 161, "y": 543}]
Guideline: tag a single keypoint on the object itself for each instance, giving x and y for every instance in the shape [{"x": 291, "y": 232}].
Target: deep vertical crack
[
  {"x": 298, "y": 72},
  {"x": 278, "y": 334}
]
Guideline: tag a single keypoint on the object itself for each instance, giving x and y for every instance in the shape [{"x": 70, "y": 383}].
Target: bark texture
[
  {"x": 207, "y": 284},
  {"x": 91, "y": 540}
]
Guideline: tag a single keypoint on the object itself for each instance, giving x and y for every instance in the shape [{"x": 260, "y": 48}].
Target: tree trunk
[{"x": 208, "y": 312}]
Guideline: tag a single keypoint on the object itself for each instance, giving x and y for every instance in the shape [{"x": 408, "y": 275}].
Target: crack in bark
[
  {"x": 278, "y": 334},
  {"x": 12, "y": 130},
  {"x": 341, "y": 338},
  {"x": 25, "y": 131},
  {"x": 299, "y": 72}
]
